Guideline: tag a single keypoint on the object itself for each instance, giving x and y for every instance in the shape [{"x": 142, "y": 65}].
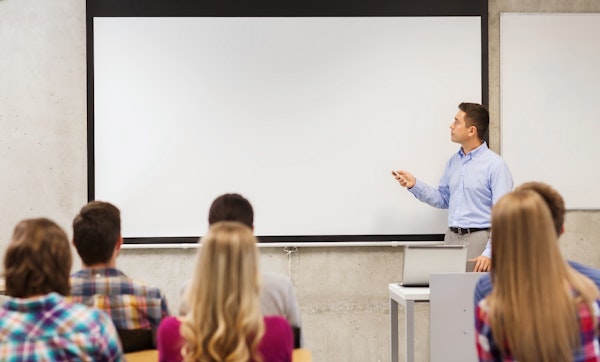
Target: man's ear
[
  {"x": 562, "y": 230},
  {"x": 472, "y": 131},
  {"x": 119, "y": 243},
  {"x": 118, "y": 247}
]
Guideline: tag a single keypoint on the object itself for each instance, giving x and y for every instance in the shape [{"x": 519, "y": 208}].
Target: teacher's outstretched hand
[{"x": 404, "y": 178}]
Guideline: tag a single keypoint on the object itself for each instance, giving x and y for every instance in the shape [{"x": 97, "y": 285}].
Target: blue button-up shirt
[{"x": 471, "y": 184}]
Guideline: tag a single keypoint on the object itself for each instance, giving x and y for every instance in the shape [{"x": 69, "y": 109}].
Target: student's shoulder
[
  {"x": 276, "y": 324},
  {"x": 275, "y": 320},
  {"x": 274, "y": 283},
  {"x": 588, "y": 271},
  {"x": 143, "y": 288},
  {"x": 484, "y": 282},
  {"x": 84, "y": 317},
  {"x": 169, "y": 324},
  {"x": 276, "y": 280},
  {"x": 483, "y": 287}
]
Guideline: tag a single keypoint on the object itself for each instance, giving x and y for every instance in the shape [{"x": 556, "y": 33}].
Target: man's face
[{"x": 459, "y": 131}]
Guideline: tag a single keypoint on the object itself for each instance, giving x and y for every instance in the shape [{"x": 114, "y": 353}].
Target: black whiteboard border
[
  {"x": 299, "y": 239},
  {"x": 274, "y": 8}
]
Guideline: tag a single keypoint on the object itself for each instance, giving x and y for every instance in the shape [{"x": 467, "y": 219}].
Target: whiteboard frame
[
  {"x": 549, "y": 85},
  {"x": 186, "y": 8}
]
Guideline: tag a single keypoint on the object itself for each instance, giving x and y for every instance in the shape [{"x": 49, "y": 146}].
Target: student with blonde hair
[
  {"x": 224, "y": 321},
  {"x": 557, "y": 207},
  {"x": 540, "y": 308}
]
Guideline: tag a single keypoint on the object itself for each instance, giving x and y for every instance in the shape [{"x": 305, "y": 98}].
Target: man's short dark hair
[
  {"x": 555, "y": 202},
  {"x": 231, "y": 207},
  {"x": 96, "y": 231},
  {"x": 37, "y": 260},
  {"x": 478, "y": 116}
]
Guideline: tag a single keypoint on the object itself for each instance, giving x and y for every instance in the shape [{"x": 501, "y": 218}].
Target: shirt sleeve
[
  {"x": 169, "y": 341},
  {"x": 482, "y": 288},
  {"x": 108, "y": 342},
  {"x": 281, "y": 330},
  {"x": 163, "y": 306},
  {"x": 292, "y": 310},
  {"x": 501, "y": 182},
  {"x": 439, "y": 197},
  {"x": 156, "y": 315},
  {"x": 487, "y": 252},
  {"x": 482, "y": 336}
]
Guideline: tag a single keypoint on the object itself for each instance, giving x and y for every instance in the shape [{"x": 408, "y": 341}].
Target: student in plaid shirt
[
  {"x": 130, "y": 303},
  {"x": 36, "y": 323}
]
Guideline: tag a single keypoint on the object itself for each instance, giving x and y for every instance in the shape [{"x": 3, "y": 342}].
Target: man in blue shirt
[
  {"x": 557, "y": 209},
  {"x": 474, "y": 179}
]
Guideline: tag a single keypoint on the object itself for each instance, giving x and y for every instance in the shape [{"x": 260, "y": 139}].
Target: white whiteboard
[
  {"x": 550, "y": 93},
  {"x": 306, "y": 117}
]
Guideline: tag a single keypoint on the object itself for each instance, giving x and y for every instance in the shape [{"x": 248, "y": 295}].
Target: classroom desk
[{"x": 406, "y": 296}]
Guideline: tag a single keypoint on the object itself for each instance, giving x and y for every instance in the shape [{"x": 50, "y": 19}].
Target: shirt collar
[
  {"x": 33, "y": 305},
  {"x": 475, "y": 152},
  {"x": 98, "y": 273}
]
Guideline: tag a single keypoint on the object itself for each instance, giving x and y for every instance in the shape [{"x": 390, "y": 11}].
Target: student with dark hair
[
  {"x": 277, "y": 295},
  {"x": 231, "y": 207},
  {"x": 474, "y": 179},
  {"x": 131, "y": 304},
  {"x": 540, "y": 308},
  {"x": 36, "y": 322}
]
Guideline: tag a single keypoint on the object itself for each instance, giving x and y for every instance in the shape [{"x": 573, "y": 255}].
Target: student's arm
[
  {"x": 106, "y": 339},
  {"x": 292, "y": 312},
  {"x": 169, "y": 341},
  {"x": 483, "y": 336},
  {"x": 482, "y": 289}
]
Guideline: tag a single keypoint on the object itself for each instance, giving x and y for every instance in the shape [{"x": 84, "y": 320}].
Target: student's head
[
  {"x": 96, "y": 232},
  {"x": 524, "y": 232},
  {"x": 555, "y": 202},
  {"x": 231, "y": 207},
  {"x": 476, "y": 115},
  {"x": 37, "y": 260},
  {"x": 224, "y": 309}
]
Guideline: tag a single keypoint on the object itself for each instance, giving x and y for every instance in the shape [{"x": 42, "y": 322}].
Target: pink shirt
[{"x": 275, "y": 346}]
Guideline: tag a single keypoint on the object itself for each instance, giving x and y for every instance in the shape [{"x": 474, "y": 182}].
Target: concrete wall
[{"x": 342, "y": 291}]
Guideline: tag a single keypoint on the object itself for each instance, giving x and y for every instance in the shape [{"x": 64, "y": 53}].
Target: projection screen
[{"x": 304, "y": 116}]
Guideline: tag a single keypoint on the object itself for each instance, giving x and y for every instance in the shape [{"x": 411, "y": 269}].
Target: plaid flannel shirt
[
  {"x": 130, "y": 303},
  {"x": 588, "y": 351},
  {"x": 47, "y": 328}
]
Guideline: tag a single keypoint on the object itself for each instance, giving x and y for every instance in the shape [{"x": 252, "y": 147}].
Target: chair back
[
  {"x": 296, "y": 332},
  {"x": 134, "y": 340}
]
